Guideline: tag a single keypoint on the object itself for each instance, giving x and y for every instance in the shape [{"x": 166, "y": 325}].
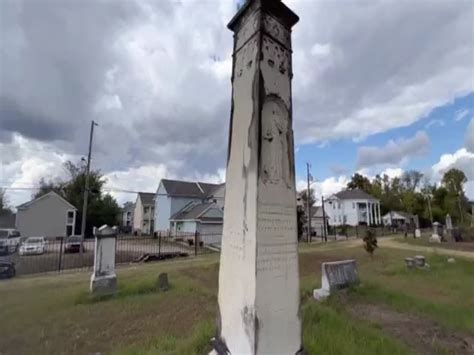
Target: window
[
  {"x": 338, "y": 205},
  {"x": 334, "y": 206},
  {"x": 345, "y": 219},
  {"x": 353, "y": 205},
  {"x": 146, "y": 209},
  {"x": 339, "y": 219}
]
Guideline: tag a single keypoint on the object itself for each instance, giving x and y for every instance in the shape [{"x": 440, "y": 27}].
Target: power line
[{"x": 110, "y": 189}]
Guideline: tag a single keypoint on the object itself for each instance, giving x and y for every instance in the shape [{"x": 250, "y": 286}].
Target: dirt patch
[
  {"x": 423, "y": 335},
  {"x": 310, "y": 263}
]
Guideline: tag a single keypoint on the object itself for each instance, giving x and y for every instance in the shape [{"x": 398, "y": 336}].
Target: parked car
[
  {"x": 9, "y": 240},
  {"x": 7, "y": 270},
  {"x": 33, "y": 246},
  {"x": 74, "y": 245}
]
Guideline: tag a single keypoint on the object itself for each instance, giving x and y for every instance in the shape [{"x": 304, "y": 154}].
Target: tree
[
  {"x": 304, "y": 197},
  {"x": 360, "y": 182},
  {"x": 102, "y": 208},
  {"x": 4, "y": 208},
  {"x": 301, "y": 220},
  {"x": 454, "y": 180},
  {"x": 455, "y": 201},
  {"x": 411, "y": 180}
]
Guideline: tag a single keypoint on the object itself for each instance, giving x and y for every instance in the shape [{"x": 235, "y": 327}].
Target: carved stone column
[{"x": 259, "y": 278}]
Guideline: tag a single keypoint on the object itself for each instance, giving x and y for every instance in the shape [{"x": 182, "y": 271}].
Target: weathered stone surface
[
  {"x": 410, "y": 262},
  {"x": 104, "y": 280},
  {"x": 258, "y": 279},
  {"x": 163, "y": 284},
  {"x": 336, "y": 275},
  {"x": 451, "y": 260},
  {"x": 420, "y": 260}
]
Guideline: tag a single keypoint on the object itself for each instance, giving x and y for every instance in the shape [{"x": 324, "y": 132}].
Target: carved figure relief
[{"x": 275, "y": 151}]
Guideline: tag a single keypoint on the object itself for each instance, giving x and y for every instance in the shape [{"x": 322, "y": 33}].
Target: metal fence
[
  {"x": 334, "y": 233},
  {"x": 58, "y": 256}
]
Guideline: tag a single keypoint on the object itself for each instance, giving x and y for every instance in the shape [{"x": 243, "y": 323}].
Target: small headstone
[
  {"x": 410, "y": 262},
  {"x": 163, "y": 284},
  {"x": 104, "y": 279},
  {"x": 420, "y": 261},
  {"x": 417, "y": 226},
  {"x": 451, "y": 260},
  {"x": 336, "y": 275}
]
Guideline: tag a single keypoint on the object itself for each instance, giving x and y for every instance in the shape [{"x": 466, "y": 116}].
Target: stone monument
[
  {"x": 417, "y": 226},
  {"x": 104, "y": 280},
  {"x": 336, "y": 275},
  {"x": 259, "y": 276},
  {"x": 449, "y": 225},
  {"x": 435, "y": 237}
]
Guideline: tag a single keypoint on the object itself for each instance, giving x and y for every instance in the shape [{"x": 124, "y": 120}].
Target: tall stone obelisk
[{"x": 259, "y": 277}]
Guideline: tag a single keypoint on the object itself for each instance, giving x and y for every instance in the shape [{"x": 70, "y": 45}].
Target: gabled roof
[
  {"x": 193, "y": 211},
  {"x": 405, "y": 215},
  {"x": 189, "y": 189},
  {"x": 355, "y": 194},
  {"x": 51, "y": 193},
  {"x": 147, "y": 198}
]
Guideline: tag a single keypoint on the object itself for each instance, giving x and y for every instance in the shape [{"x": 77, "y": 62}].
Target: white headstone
[
  {"x": 417, "y": 226},
  {"x": 104, "y": 279},
  {"x": 435, "y": 237},
  {"x": 336, "y": 275},
  {"x": 449, "y": 223},
  {"x": 259, "y": 278}
]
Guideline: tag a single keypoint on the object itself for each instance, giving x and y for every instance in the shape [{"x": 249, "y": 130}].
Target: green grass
[
  {"x": 55, "y": 314},
  {"x": 328, "y": 330}
]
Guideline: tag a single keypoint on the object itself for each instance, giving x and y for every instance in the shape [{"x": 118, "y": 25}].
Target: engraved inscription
[{"x": 277, "y": 258}]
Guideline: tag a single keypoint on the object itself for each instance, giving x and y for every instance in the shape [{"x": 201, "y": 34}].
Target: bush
[
  {"x": 467, "y": 233},
  {"x": 370, "y": 241}
]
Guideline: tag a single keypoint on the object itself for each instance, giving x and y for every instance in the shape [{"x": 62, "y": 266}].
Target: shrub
[
  {"x": 370, "y": 241},
  {"x": 467, "y": 233}
]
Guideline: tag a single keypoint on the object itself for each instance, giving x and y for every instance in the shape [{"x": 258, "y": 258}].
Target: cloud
[
  {"x": 461, "y": 159},
  {"x": 434, "y": 123},
  {"x": 394, "y": 152},
  {"x": 337, "y": 169},
  {"x": 155, "y": 75},
  {"x": 460, "y": 114}
]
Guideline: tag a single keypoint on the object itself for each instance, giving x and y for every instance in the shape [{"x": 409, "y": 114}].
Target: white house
[
  {"x": 126, "y": 216},
  {"x": 397, "y": 218},
  {"x": 204, "y": 218},
  {"x": 352, "y": 207},
  {"x": 143, "y": 214},
  {"x": 174, "y": 195},
  {"x": 49, "y": 215},
  {"x": 319, "y": 221}
]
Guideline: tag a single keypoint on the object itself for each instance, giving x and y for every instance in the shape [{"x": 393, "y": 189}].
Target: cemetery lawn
[{"x": 394, "y": 311}]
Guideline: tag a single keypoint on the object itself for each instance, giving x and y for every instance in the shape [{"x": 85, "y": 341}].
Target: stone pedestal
[
  {"x": 104, "y": 279},
  {"x": 435, "y": 237},
  {"x": 410, "y": 262},
  {"x": 259, "y": 278}
]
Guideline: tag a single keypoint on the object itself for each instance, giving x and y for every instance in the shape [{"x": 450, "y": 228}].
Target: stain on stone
[
  {"x": 249, "y": 64},
  {"x": 271, "y": 63}
]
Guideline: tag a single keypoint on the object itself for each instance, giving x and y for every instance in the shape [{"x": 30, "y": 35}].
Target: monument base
[
  {"x": 103, "y": 285},
  {"x": 417, "y": 233},
  {"x": 435, "y": 238}
]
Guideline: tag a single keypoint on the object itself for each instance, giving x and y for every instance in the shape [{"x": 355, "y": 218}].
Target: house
[
  {"x": 126, "y": 216},
  {"x": 49, "y": 216},
  {"x": 173, "y": 195},
  {"x": 7, "y": 221},
  {"x": 352, "y": 207},
  {"x": 204, "y": 218},
  {"x": 397, "y": 218},
  {"x": 319, "y": 221},
  {"x": 144, "y": 214}
]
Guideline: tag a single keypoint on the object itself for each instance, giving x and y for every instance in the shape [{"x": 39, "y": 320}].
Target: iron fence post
[
  {"x": 195, "y": 243},
  {"x": 159, "y": 244},
  {"x": 60, "y": 255}
]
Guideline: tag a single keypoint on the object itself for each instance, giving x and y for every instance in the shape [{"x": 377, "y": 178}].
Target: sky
[{"x": 378, "y": 87}]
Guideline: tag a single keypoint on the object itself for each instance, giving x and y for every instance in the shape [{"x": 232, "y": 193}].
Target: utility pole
[
  {"x": 324, "y": 220},
  {"x": 458, "y": 193},
  {"x": 86, "y": 187},
  {"x": 308, "y": 206}
]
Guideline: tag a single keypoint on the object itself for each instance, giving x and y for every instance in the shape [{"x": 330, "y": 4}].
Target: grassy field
[{"x": 394, "y": 311}]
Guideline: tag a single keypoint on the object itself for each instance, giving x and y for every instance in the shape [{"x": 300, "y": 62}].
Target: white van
[{"x": 9, "y": 241}]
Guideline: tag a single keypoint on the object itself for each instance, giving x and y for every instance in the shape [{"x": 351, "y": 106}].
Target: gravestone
[
  {"x": 163, "y": 284},
  {"x": 435, "y": 237},
  {"x": 420, "y": 261},
  {"x": 449, "y": 225},
  {"x": 336, "y": 275},
  {"x": 104, "y": 279},
  {"x": 258, "y": 277},
  {"x": 417, "y": 226},
  {"x": 410, "y": 262}
]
